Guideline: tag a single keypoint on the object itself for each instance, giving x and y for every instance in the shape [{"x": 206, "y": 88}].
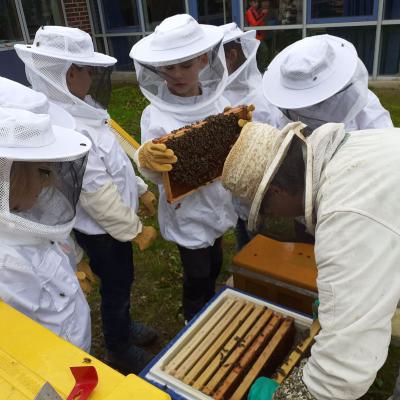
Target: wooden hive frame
[
  {"x": 175, "y": 190},
  {"x": 232, "y": 348}
]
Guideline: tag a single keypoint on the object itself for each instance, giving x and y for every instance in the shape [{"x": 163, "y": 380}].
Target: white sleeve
[
  {"x": 374, "y": 115},
  {"x": 141, "y": 186},
  {"x": 358, "y": 288},
  {"x": 19, "y": 286},
  {"x": 106, "y": 207}
]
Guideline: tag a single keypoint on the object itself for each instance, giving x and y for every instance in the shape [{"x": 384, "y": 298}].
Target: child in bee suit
[
  {"x": 41, "y": 174},
  {"x": 62, "y": 64},
  {"x": 299, "y": 82},
  {"x": 15, "y": 95},
  {"x": 244, "y": 87},
  {"x": 181, "y": 70}
]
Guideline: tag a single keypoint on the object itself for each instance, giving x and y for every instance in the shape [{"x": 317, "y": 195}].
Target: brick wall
[{"x": 77, "y": 14}]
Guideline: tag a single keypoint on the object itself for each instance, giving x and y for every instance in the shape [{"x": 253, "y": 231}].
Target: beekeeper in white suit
[
  {"x": 41, "y": 173},
  {"x": 244, "y": 78},
  {"x": 15, "y": 95},
  {"x": 320, "y": 79},
  {"x": 244, "y": 87},
  {"x": 62, "y": 64},
  {"x": 344, "y": 184},
  {"x": 181, "y": 70}
]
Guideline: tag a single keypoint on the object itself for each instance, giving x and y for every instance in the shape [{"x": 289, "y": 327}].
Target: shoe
[
  {"x": 130, "y": 360},
  {"x": 142, "y": 335}
]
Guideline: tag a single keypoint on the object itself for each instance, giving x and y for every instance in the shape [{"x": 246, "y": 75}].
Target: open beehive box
[
  {"x": 201, "y": 150},
  {"x": 236, "y": 339}
]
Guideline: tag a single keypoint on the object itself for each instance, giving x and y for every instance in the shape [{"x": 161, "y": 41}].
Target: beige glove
[
  {"x": 85, "y": 277},
  {"x": 156, "y": 157},
  {"x": 249, "y": 117},
  {"x": 148, "y": 206},
  {"x": 145, "y": 238}
]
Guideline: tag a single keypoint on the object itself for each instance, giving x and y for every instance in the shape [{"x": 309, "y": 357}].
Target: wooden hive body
[
  {"x": 233, "y": 343},
  {"x": 201, "y": 149}
]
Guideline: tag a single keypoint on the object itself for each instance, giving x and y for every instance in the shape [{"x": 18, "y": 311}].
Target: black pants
[
  {"x": 243, "y": 236},
  {"x": 112, "y": 262},
  {"x": 201, "y": 268}
]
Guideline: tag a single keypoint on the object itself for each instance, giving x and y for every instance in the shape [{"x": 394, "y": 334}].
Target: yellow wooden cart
[{"x": 31, "y": 355}]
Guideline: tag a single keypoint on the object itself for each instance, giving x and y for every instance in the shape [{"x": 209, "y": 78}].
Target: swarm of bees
[{"x": 202, "y": 151}]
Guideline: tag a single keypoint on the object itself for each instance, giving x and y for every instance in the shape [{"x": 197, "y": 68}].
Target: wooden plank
[
  {"x": 233, "y": 351},
  {"x": 214, "y": 351},
  {"x": 256, "y": 368},
  {"x": 286, "y": 368},
  {"x": 196, "y": 337},
  {"x": 245, "y": 361},
  {"x": 211, "y": 336}
]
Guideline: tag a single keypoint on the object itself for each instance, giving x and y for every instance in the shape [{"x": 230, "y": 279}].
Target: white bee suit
[
  {"x": 36, "y": 276},
  {"x": 353, "y": 208},
  {"x": 37, "y": 279},
  {"x": 245, "y": 83},
  {"x": 109, "y": 198},
  {"x": 357, "y": 249},
  {"x": 201, "y": 217}
]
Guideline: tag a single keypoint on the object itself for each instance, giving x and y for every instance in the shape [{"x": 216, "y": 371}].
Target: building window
[
  {"x": 10, "y": 28},
  {"x": 363, "y": 39},
  {"x": 157, "y": 10},
  {"x": 392, "y": 9},
  {"x": 120, "y": 16},
  {"x": 43, "y": 12},
  {"x": 119, "y": 47},
  {"x": 390, "y": 51},
  {"x": 272, "y": 42},
  {"x": 341, "y": 10},
  {"x": 214, "y": 12},
  {"x": 273, "y": 12}
]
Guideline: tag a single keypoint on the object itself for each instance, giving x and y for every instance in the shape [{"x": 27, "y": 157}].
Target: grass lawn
[{"x": 157, "y": 288}]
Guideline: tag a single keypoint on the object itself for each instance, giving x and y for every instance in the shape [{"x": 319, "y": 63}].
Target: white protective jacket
[
  {"x": 203, "y": 216},
  {"x": 110, "y": 190},
  {"x": 372, "y": 116},
  {"x": 36, "y": 278},
  {"x": 357, "y": 248},
  {"x": 246, "y": 88}
]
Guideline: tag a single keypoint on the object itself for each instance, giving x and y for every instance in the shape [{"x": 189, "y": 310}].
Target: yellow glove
[
  {"x": 249, "y": 117},
  {"x": 156, "y": 157},
  {"x": 148, "y": 207},
  {"x": 85, "y": 276},
  {"x": 145, "y": 238}
]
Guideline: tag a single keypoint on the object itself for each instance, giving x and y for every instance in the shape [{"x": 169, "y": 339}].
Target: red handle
[{"x": 86, "y": 380}]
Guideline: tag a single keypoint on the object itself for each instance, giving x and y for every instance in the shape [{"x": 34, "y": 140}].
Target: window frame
[{"x": 24, "y": 26}]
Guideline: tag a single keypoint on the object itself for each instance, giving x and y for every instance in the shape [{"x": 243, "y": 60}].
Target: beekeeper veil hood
[
  {"x": 181, "y": 55},
  {"x": 258, "y": 157},
  {"x": 316, "y": 80},
  {"x": 41, "y": 174},
  {"x": 57, "y": 50},
  {"x": 240, "y": 54},
  {"x": 15, "y": 95}
]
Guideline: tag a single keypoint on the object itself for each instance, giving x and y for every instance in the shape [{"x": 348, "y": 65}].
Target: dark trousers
[
  {"x": 242, "y": 234},
  {"x": 201, "y": 268},
  {"x": 112, "y": 262},
  {"x": 301, "y": 233}
]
